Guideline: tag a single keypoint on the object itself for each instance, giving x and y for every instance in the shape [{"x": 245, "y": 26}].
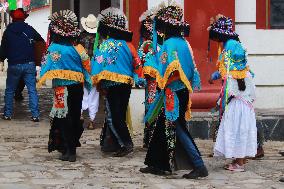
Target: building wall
[{"x": 265, "y": 55}]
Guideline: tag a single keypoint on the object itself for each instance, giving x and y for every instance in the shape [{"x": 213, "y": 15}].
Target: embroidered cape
[
  {"x": 174, "y": 69},
  {"x": 116, "y": 61},
  {"x": 66, "y": 64}
]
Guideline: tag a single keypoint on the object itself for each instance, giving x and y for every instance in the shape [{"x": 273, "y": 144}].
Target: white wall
[
  {"x": 39, "y": 20},
  {"x": 266, "y": 55}
]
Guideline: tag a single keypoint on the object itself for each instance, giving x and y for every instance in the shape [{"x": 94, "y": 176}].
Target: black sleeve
[{"x": 3, "y": 47}]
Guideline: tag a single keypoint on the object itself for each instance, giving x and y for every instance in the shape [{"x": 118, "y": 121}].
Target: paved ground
[{"x": 25, "y": 162}]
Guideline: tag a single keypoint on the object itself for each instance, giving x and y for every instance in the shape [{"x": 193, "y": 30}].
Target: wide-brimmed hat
[
  {"x": 65, "y": 24},
  {"x": 18, "y": 14},
  {"x": 169, "y": 20},
  {"x": 90, "y": 23},
  {"x": 221, "y": 28},
  {"x": 113, "y": 23}
]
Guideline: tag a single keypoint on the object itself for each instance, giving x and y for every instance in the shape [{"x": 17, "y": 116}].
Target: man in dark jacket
[{"x": 18, "y": 47}]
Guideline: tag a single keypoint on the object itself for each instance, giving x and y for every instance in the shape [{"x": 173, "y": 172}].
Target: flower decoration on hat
[
  {"x": 171, "y": 18},
  {"x": 147, "y": 21},
  {"x": 114, "y": 23},
  {"x": 64, "y": 23},
  {"x": 221, "y": 28}
]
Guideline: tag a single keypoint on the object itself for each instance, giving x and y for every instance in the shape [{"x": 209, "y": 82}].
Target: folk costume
[
  {"x": 87, "y": 39},
  {"x": 237, "y": 135},
  {"x": 145, "y": 50},
  {"x": 171, "y": 147},
  {"x": 115, "y": 67},
  {"x": 68, "y": 66}
]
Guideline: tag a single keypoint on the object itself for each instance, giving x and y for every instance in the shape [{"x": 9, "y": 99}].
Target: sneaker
[
  {"x": 154, "y": 171},
  {"x": 123, "y": 152},
  {"x": 35, "y": 119},
  {"x": 6, "y": 118},
  {"x": 236, "y": 167},
  {"x": 197, "y": 173}
]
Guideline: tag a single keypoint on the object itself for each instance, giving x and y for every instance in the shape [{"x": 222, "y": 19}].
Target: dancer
[
  {"x": 176, "y": 75},
  {"x": 146, "y": 50},
  {"x": 90, "y": 98},
  {"x": 114, "y": 68},
  {"x": 68, "y": 66},
  {"x": 237, "y": 135}
]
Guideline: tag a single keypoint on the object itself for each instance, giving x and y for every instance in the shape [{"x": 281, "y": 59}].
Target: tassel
[{"x": 219, "y": 49}]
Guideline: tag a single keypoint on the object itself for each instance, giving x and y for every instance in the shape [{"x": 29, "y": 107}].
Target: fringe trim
[
  {"x": 111, "y": 76},
  {"x": 150, "y": 71},
  {"x": 236, "y": 74},
  {"x": 61, "y": 74}
]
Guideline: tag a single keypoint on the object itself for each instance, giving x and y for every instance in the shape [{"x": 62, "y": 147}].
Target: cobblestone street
[{"x": 25, "y": 162}]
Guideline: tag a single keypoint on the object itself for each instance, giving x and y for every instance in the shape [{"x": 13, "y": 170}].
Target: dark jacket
[{"x": 18, "y": 43}]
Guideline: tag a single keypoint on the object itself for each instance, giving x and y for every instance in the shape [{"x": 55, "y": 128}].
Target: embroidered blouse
[
  {"x": 65, "y": 65},
  {"x": 116, "y": 62}
]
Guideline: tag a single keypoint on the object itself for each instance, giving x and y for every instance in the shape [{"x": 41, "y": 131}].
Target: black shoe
[
  {"x": 64, "y": 157},
  {"x": 35, "y": 119},
  {"x": 123, "y": 151},
  {"x": 154, "y": 171},
  {"x": 197, "y": 173},
  {"x": 147, "y": 170},
  {"x": 282, "y": 154},
  {"x": 6, "y": 118},
  {"x": 281, "y": 179},
  {"x": 72, "y": 158}
]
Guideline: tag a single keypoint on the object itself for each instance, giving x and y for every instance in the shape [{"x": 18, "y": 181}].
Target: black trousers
[
  {"x": 118, "y": 99},
  {"x": 70, "y": 127}
]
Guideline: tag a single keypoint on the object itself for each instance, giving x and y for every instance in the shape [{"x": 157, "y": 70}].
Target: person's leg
[
  {"x": 118, "y": 110},
  {"x": 30, "y": 81},
  {"x": 14, "y": 73},
  {"x": 19, "y": 91},
  {"x": 94, "y": 98},
  {"x": 93, "y": 105},
  {"x": 260, "y": 141},
  {"x": 199, "y": 169},
  {"x": 72, "y": 129}
]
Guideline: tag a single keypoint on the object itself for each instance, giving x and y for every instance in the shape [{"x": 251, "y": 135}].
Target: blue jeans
[
  {"x": 189, "y": 147},
  {"x": 15, "y": 72}
]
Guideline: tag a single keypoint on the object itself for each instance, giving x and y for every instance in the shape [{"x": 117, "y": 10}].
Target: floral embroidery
[
  {"x": 108, "y": 50},
  {"x": 55, "y": 56},
  {"x": 164, "y": 57},
  {"x": 170, "y": 102},
  {"x": 84, "y": 56},
  {"x": 175, "y": 55},
  {"x": 151, "y": 90},
  {"x": 99, "y": 59}
]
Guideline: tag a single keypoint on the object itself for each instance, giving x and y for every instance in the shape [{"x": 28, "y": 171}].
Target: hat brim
[
  {"x": 170, "y": 28},
  {"x": 59, "y": 31},
  {"x": 213, "y": 35},
  {"x": 86, "y": 28},
  {"x": 115, "y": 32}
]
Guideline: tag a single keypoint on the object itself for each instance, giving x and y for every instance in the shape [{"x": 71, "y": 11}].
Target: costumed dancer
[
  {"x": 68, "y": 66},
  {"x": 146, "y": 50},
  {"x": 115, "y": 67},
  {"x": 90, "y": 98},
  {"x": 237, "y": 135},
  {"x": 171, "y": 146}
]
